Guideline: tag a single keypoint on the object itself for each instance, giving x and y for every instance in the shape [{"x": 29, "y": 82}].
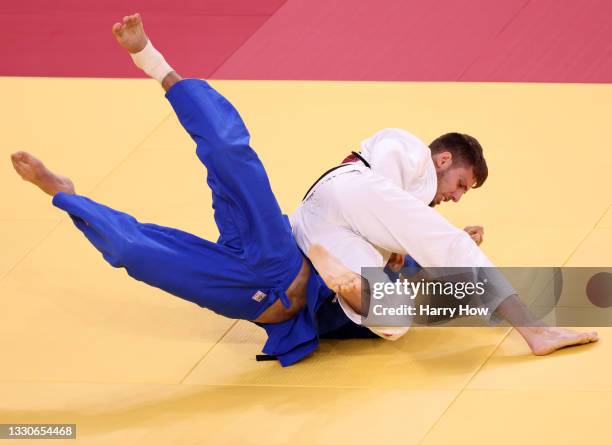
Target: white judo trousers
[{"x": 362, "y": 215}]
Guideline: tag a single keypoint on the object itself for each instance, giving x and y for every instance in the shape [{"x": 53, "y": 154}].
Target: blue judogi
[{"x": 256, "y": 257}]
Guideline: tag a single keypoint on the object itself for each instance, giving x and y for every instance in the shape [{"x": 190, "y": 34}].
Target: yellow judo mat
[{"x": 83, "y": 343}]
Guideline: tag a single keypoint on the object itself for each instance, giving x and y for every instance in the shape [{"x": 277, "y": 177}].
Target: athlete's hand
[
  {"x": 476, "y": 233},
  {"x": 396, "y": 261}
]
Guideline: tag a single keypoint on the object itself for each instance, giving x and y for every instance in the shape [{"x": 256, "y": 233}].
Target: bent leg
[{"x": 177, "y": 262}]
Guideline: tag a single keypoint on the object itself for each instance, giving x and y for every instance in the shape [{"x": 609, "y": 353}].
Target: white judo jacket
[{"x": 362, "y": 215}]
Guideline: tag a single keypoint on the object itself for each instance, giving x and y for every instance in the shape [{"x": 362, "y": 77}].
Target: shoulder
[
  {"x": 395, "y": 142},
  {"x": 398, "y": 135}
]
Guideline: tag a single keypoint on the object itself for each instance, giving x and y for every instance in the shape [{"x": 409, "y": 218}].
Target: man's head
[{"x": 460, "y": 166}]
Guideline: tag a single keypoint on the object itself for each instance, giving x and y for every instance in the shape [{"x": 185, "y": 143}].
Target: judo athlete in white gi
[{"x": 378, "y": 207}]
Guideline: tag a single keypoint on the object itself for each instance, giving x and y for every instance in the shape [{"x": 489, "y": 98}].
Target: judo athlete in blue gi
[{"x": 255, "y": 271}]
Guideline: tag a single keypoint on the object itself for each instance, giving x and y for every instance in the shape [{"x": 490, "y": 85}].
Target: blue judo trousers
[{"x": 256, "y": 257}]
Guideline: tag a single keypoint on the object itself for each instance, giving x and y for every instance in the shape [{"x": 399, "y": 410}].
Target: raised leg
[{"x": 246, "y": 211}]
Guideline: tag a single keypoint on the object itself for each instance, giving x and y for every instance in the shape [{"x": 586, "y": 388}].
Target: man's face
[{"x": 453, "y": 180}]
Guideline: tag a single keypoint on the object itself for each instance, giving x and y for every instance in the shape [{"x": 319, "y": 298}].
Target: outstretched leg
[{"x": 182, "y": 264}]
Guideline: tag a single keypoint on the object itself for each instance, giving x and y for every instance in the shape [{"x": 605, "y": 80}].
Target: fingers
[
  {"x": 395, "y": 266},
  {"x": 477, "y": 238},
  {"x": 474, "y": 229},
  {"x": 395, "y": 262},
  {"x": 476, "y": 233}
]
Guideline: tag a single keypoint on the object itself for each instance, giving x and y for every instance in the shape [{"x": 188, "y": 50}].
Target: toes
[
  {"x": 333, "y": 285},
  {"x": 20, "y": 168},
  {"x": 19, "y": 159},
  {"x": 589, "y": 337},
  {"x": 117, "y": 29},
  {"x": 132, "y": 20},
  {"x": 586, "y": 339}
]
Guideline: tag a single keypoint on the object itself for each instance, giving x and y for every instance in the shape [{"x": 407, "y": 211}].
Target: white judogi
[{"x": 362, "y": 215}]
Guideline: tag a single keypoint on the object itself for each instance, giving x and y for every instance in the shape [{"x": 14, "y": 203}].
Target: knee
[
  {"x": 127, "y": 246},
  {"x": 222, "y": 151},
  {"x": 121, "y": 254}
]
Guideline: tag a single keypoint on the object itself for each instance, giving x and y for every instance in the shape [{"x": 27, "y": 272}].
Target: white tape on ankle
[{"x": 152, "y": 62}]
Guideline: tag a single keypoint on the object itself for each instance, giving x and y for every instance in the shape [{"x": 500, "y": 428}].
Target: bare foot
[
  {"x": 336, "y": 276},
  {"x": 546, "y": 340},
  {"x": 33, "y": 170},
  {"x": 130, "y": 33}
]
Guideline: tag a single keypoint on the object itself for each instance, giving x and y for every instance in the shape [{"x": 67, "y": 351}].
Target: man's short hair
[{"x": 466, "y": 150}]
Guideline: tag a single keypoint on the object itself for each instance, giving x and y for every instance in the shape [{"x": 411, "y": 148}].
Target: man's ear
[{"x": 443, "y": 160}]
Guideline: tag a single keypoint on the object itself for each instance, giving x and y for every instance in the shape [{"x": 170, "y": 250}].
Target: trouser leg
[
  {"x": 182, "y": 264},
  {"x": 246, "y": 211}
]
